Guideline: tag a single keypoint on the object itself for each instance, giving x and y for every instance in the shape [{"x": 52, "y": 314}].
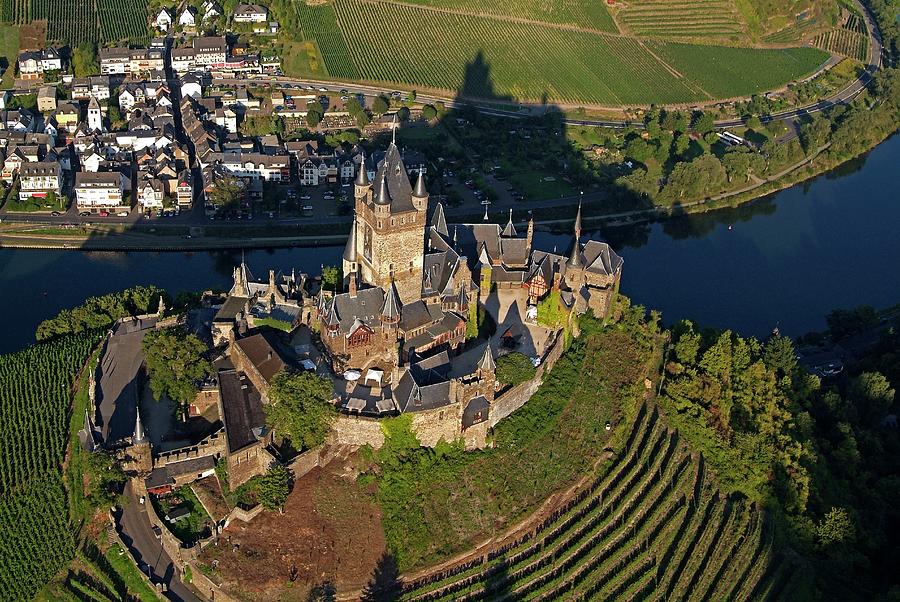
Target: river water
[{"x": 784, "y": 261}]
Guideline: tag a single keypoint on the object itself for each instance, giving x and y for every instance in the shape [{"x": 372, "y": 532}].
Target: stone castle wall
[
  {"x": 356, "y": 431},
  {"x": 211, "y": 446},
  {"x": 444, "y": 423}
]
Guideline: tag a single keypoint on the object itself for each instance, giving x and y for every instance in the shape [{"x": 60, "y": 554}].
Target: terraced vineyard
[
  {"x": 850, "y": 40},
  {"x": 501, "y": 58},
  {"x": 680, "y": 19},
  {"x": 35, "y": 393},
  {"x": 591, "y": 15},
  {"x": 652, "y": 524},
  {"x": 76, "y": 21}
]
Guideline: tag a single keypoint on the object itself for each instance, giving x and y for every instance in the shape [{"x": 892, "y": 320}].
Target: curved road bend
[{"x": 135, "y": 530}]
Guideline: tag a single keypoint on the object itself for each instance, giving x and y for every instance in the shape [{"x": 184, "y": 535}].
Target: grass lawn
[
  {"x": 190, "y": 528},
  {"x": 129, "y": 573},
  {"x": 535, "y": 186},
  {"x": 9, "y": 51},
  {"x": 15, "y": 205}
]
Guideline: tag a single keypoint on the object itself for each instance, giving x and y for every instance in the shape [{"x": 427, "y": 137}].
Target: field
[
  {"x": 76, "y": 21},
  {"x": 505, "y": 59},
  {"x": 707, "y": 20},
  {"x": 9, "y": 50},
  {"x": 652, "y": 524},
  {"x": 35, "y": 395},
  {"x": 848, "y": 40},
  {"x": 578, "y": 13}
]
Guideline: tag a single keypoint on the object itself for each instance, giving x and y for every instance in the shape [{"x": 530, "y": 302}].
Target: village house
[
  {"x": 184, "y": 192},
  {"x": 37, "y": 180},
  {"x": 150, "y": 193},
  {"x": 188, "y": 17},
  {"x": 46, "y": 99},
  {"x": 114, "y": 60},
  {"x": 33, "y": 64},
  {"x": 210, "y": 51},
  {"x": 250, "y": 13},
  {"x": 67, "y": 116},
  {"x": 163, "y": 20},
  {"x": 256, "y": 166},
  {"x": 100, "y": 191}
]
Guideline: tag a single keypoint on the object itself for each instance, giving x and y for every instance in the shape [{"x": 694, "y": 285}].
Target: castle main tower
[{"x": 389, "y": 228}]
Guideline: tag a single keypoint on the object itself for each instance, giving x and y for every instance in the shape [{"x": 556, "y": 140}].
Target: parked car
[
  {"x": 85, "y": 214},
  {"x": 122, "y": 214},
  {"x": 56, "y": 214},
  {"x": 104, "y": 214}
]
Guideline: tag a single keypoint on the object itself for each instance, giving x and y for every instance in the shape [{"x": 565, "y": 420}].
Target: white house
[
  {"x": 100, "y": 191},
  {"x": 114, "y": 60},
  {"x": 250, "y": 13},
  {"x": 226, "y": 119},
  {"x": 211, "y": 10},
  {"x": 187, "y": 17},
  {"x": 127, "y": 98},
  {"x": 190, "y": 86},
  {"x": 94, "y": 116},
  {"x": 39, "y": 179},
  {"x": 182, "y": 59},
  {"x": 256, "y": 166},
  {"x": 163, "y": 20},
  {"x": 151, "y": 193},
  {"x": 210, "y": 51},
  {"x": 91, "y": 161},
  {"x": 33, "y": 64},
  {"x": 185, "y": 189}
]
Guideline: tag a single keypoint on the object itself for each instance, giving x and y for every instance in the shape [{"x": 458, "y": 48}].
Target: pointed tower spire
[
  {"x": 394, "y": 125},
  {"x": 138, "y": 436},
  {"x": 362, "y": 177},
  {"x": 462, "y": 300},
  {"x": 510, "y": 229},
  {"x": 575, "y": 257},
  {"x": 485, "y": 213},
  {"x": 350, "y": 247},
  {"x": 486, "y": 363},
  {"x": 455, "y": 238},
  {"x": 390, "y": 310},
  {"x": 438, "y": 221},
  {"x": 382, "y": 196},
  {"x": 420, "y": 190}
]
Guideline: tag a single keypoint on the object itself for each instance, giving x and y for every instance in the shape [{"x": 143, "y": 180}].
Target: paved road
[{"x": 135, "y": 530}]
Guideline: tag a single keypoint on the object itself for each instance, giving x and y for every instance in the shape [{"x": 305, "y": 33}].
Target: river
[{"x": 785, "y": 260}]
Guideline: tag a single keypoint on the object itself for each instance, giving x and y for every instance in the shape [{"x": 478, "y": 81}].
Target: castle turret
[
  {"x": 486, "y": 365},
  {"x": 438, "y": 220},
  {"x": 350, "y": 249},
  {"x": 575, "y": 260},
  {"x": 390, "y": 310},
  {"x": 362, "y": 185},
  {"x": 529, "y": 236},
  {"x": 382, "y": 195},
  {"x": 420, "y": 195},
  {"x": 140, "y": 451}
]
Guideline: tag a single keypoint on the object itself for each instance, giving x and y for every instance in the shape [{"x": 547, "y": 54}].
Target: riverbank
[{"x": 118, "y": 237}]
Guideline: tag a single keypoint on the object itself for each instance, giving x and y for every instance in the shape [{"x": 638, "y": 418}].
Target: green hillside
[{"x": 507, "y": 57}]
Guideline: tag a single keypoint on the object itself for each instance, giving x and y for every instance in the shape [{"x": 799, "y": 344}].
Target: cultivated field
[
  {"x": 35, "y": 397},
  {"x": 849, "y": 40},
  {"x": 683, "y": 19},
  {"x": 652, "y": 524},
  {"x": 590, "y": 15},
  {"x": 500, "y": 58},
  {"x": 75, "y": 21}
]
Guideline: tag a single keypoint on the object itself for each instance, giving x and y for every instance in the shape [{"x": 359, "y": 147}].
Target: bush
[{"x": 514, "y": 368}]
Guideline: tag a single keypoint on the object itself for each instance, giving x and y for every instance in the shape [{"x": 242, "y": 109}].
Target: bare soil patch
[
  {"x": 33, "y": 36},
  {"x": 330, "y": 533}
]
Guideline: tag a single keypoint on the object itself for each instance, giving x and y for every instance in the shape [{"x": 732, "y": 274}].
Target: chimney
[
  {"x": 529, "y": 237},
  {"x": 269, "y": 355},
  {"x": 351, "y": 285},
  {"x": 272, "y": 279}
]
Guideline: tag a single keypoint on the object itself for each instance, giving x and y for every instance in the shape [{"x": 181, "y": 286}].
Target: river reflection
[{"x": 784, "y": 260}]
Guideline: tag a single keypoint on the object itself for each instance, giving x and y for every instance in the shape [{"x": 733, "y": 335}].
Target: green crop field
[
  {"x": 506, "y": 59},
  {"x": 35, "y": 397},
  {"x": 652, "y": 524},
  {"x": 76, "y": 21},
  {"x": 679, "y": 19},
  {"x": 578, "y": 13}
]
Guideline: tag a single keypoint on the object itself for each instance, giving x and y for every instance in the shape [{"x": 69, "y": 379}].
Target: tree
[
  {"x": 874, "y": 396},
  {"x": 403, "y": 114},
  {"x": 681, "y": 144},
  {"x": 836, "y": 527},
  {"x": 514, "y": 368},
  {"x": 753, "y": 123},
  {"x": 703, "y": 123},
  {"x": 314, "y": 115},
  {"x": 698, "y": 178},
  {"x": 84, "y": 60},
  {"x": 300, "y": 408},
  {"x": 638, "y": 149},
  {"x": 331, "y": 277},
  {"x": 273, "y": 487},
  {"x": 815, "y": 133},
  {"x": 429, "y": 112},
  {"x": 737, "y": 165},
  {"x": 176, "y": 363},
  {"x": 226, "y": 192},
  {"x": 780, "y": 356},
  {"x": 380, "y": 105}
]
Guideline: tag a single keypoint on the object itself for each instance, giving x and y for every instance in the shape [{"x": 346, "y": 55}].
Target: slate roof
[
  {"x": 242, "y": 410},
  {"x": 393, "y": 172},
  {"x": 263, "y": 351},
  {"x": 475, "y": 405},
  {"x": 417, "y": 314},
  {"x": 366, "y": 306}
]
